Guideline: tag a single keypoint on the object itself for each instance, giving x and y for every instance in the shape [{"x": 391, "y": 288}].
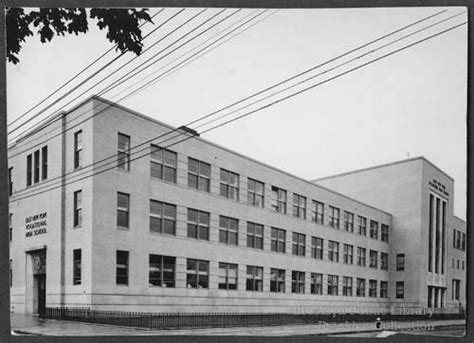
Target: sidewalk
[{"x": 32, "y": 325}]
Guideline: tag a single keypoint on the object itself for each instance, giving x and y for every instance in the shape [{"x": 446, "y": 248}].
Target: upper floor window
[
  {"x": 10, "y": 226},
  {"x": 349, "y": 221},
  {"x": 78, "y": 149},
  {"x": 299, "y": 206},
  {"x": 229, "y": 186},
  {"x": 198, "y": 224},
  {"x": 227, "y": 276},
  {"x": 277, "y": 280},
  {"x": 317, "y": 212},
  {"x": 400, "y": 261},
  {"x": 278, "y": 240},
  {"x": 383, "y": 261},
  {"x": 297, "y": 282},
  {"x": 334, "y": 213},
  {"x": 77, "y": 216},
  {"x": 362, "y": 226},
  {"x": 122, "y": 268},
  {"x": 254, "y": 235},
  {"x": 123, "y": 152},
  {"x": 255, "y": 192},
  {"x": 373, "y": 259},
  {"x": 77, "y": 267},
  {"x": 10, "y": 181},
  {"x": 463, "y": 242},
  {"x": 374, "y": 229},
  {"x": 199, "y": 175},
  {"x": 317, "y": 248},
  {"x": 400, "y": 290},
  {"x": 36, "y": 164},
  {"x": 228, "y": 230},
  {"x": 384, "y": 233},
  {"x": 44, "y": 163},
  {"x": 197, "y": 273},
  {"x": 361, "y": 254},
  {"x": 123, "y": 210},
  {"x": 36, "y": 168},
  {"x": 348, "y": 253},
  {"x": 163, "y": 164},
  {"x": 29, "y": 167},
  {"x": 333, "y": 251},
  {"x": 162, "y": 217},
  {"x": 278, "y": 200},
  {"x": 299, "y": 244},
  {"x": 333, "y": 285},
  {"x": 162, "y": 271},
  {"x": 254, "y": 279},
  {"x": 456, "y": 287},
  {"x": 316, "y": 283}
]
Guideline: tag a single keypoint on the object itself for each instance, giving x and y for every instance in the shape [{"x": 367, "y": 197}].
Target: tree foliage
[{"x": 122, "y": 25}]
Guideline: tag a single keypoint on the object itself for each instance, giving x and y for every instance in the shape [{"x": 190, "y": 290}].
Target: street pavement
[{"x": 33, "y": 325}]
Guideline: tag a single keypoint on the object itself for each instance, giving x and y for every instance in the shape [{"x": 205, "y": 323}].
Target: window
[
  {"x": 278, "y": 240},
  {"x": 162, "y": 217},
  {"x": 463, "y": 242},
  {"x": 348, "y": 253},
  {"x": 458, "y": 239},
  {"x": 277, "y": 280},
  {"x": 373, "y": 259},
  {"x": 278, "y": 200},
  {"x": 362, "y": 226},
  {"x": 383, "y": 289},
  {"x": 333, "y": 282},
  {"x": 10, "y": 226},
  {"x": 349, "y": 221},
  {"x": 334, "y": 217},
  {"x": 36, "y": 169},
  {"x": 373, "y": 288},
  {"x": 462, "y": 265},
  {"x": 77, "y": 267},
  {"x": 347, "y": 286},
  {"x": 317, "y": 212},
  {"x": 299, "y": 244},
  {"x": 77, "y": 217},
  {"x": 297, "y": 282},
  {"x": 123, "y": 154},
  {"x": 227, "y": 276},
  {"x": 400, "y": 290},
  {"x": 78, "y": 149},
  {"x": 198, "y": 224},
  {"x": 254, "y": 235},
  {"x": 361, "y": 256},
  {"x": 374, "y": 229},
  {"x": 317, "y": 248},
  {"x": 10, "y": 181},
  {"x": 255, "y": 192},
  {"x": 123, "y": 210},
  {"x": 44, "y": 163},
  {"x": 400, "y": 261},
  {"x": 162, "y": 271},
  {"x": 383, "y": 261},
  {"x": 454, "y": 238},
  {"x": 228, "y": 230},
  {"x": 197, "y": 273},
  {"x": 199, "y": 175},
  {"x": 457, "y": 264},
  {"x": 384, "y": 234},
  {"x": 254, "y": 279},
  {"x": 333, "y": 251},
  {"x": 163, "y": 164},
  {"x": 122, "y": 268},
  {"x": 10, "y": 275},
  {"x": 28, "y": 169},
  {"x": 360, "y": 287},
  {"x": 456, "y": 289},
  {"x": 229, "y": 187},
  {"x": 299, "y": 206},
  {"x": 316, "y": 283}
]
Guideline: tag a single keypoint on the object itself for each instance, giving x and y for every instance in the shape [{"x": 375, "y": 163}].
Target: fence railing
[{"x": 218, "y": 320}]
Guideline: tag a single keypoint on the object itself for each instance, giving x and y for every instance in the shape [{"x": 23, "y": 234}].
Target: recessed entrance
[{"x": 37, "y": 284}]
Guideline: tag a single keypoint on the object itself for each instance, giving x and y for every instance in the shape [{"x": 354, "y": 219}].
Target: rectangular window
[
  {"x": 333, "y": 283},
  {"x": 458, "y": 239},
  {"x": 78, "y": 149},
  {"x": 44, "y": 163},
  {"x": 227, "y": 276},
  {"x": 400, "y": 261},
  {"x": 334, "y": 213},
  {"x": 278, "y": 200},
  {"x": 317, "y": 212},
  {"x": 316, "y": 283},
  {"x": 123, "y": 210},
  {"x": 361, "y": 254},
  {"x": 122, "y": 268},
  {"x": 277, "y": 280},
  {"x": 10, "y": 226},
  {"x": 454, "y": 238},
  {"x": 317, "y": 248},
  {"x": 228, "y": 230},
  {"x": 29, "y": 167},
  {"x": 198, "y": 224},
  {"x": 463, "y": 242},
  {"x": 362, "y": 226},
  {"x": 10, "y": 181},
  {"x": 383, "y": 289},
  {"x": 373, "y": 259},
  {"x": 347, "y": 286},
  {"x": 77, "y": 217},
  {"x": 297, "y": 282},
  {"x": 400, "y": 290},
  {"x": 162, "y": 217},
  {"x": 10, "y": 275},
  {"x": 384, "y": 233},
  {"x": 373, "y": 288},
  {"x": 77, "y": 267},
  {"x": 163, "y": 164},
  {"x": 360, "y": 287},
  {"x": 254, "y": 279},
  {"x": 197, "y": 273},
  {"x": 229, "y": 186},
  {"x": 349, "y": 221},
  {"x": 299, "y": 244},
  {"x": 36, "y": 169},
  {"x": 278, "y": 240},
  {"x": 254, "y": 235},
  {"x": 456, "y": 289},
  {"x": 348, "y": 253},
  {"x": 199, "y": 175},
  {"x": 255, "y": 192},
  {"x": 123, "y": 152},
  {"x": 333, "y": 251},
  {"x": 374, "y": 229},
  {"x": 383, "y": 261},
  {"x": 299, "y": 206},
  {"x": 162, "y": 272}
]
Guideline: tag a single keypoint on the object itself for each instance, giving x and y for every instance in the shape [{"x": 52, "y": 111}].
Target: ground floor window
[
  {"x": 77, "y": 267},
  {"x": 297, "y": 282},
  {"x": 197, "y": 273},
  {"x": 162, "y": 271},
  {"x": 316, "y": 283},
  {"x": 227, "y": 276},
  {"x": 333, "y": 283},
  {"x": 277, "y": 280},
  {"x": 122, "y": 268},
  {"x": 254, "y": 278},
  {"x": 400, "y": 290}
]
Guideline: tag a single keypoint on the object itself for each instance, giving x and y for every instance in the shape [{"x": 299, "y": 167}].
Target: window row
[
  {"x": 36, "y": 167},
  {"x": 459, "y": 240}
]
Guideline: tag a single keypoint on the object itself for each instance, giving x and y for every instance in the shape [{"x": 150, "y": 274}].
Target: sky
[{"x": 412, "y": 103}]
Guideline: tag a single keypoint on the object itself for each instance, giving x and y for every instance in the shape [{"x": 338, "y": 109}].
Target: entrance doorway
[
  {"x": 36, "y": 281},
  {"x": 40, "y": 288}
]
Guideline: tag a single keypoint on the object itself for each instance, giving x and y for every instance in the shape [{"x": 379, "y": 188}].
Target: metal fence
[{"x": 218, "y": 320}]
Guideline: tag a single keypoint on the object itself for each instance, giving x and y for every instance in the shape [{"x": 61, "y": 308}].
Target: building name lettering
[
  {"x": 438, "y": 186},
  {"x": 36, "y": 225}
]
